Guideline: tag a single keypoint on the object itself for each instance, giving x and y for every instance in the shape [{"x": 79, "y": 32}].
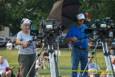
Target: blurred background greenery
[{"x": 12, "y": 11}]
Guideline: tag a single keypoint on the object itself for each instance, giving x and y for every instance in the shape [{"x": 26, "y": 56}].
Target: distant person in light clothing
[
  {"x": 4, "y": 68},
  {"x": 27, "y": 47}
]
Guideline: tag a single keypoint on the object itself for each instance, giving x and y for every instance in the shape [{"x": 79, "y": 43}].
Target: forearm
[
  {"x": 68, "y": 40},
  {"x": 72, "y": 40},
  {"x": 18, "y": 42},
  {"x": 24, "y": 44}
]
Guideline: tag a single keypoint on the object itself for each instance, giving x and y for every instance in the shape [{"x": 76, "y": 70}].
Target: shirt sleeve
[
  {"x": 70, "y": 33},
  {"x": 84, "y": 33},
  {"x": 85, "y": 27},
  {"x": 19, "y": 36}
]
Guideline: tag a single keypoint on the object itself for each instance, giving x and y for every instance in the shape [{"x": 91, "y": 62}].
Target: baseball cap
[
  {"x": 80, "y": 16},
  {"x": 26, "y": 21}
]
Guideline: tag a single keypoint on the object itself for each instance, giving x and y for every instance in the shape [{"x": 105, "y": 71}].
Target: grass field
[{"x": 64, "y": 61}]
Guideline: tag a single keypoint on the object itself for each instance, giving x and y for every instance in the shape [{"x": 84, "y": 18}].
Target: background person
[
  {"x": 113, "y": 62},
  {"x": 112, "y": 52},
  {"x": 9, "y": 45},
  {"x": 78, "y": 38},
  {"x": 27, "y": 49},
  {"x": 4, "y": 68},
  {"x": 93, "y": 68}
]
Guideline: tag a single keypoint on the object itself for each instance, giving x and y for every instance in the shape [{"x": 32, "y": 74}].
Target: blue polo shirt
[{"x": 79, "y": 33}]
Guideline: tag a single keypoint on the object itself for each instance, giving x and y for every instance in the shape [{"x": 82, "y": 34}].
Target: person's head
[
  {"x": 90, "y": 58},
  {"x": 80, "y": 18},
  {"x": 113, "y": 59},
  {"x": 25, "y": 25},
  {"x": 112, "y": 51},
  {"x": 1, "y": 59},
  {"x": 91, "y": 43},
  {"x": 88, "y": 16}
]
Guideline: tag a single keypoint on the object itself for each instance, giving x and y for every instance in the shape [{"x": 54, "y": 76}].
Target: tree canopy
[
  {"x": 99, "y": 8},
  {"x": 12, "y": 11}
]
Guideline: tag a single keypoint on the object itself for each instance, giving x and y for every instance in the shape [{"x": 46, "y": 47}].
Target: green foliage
[
  {"x": 14, "y": 10},
  {"x": 99, "y": 8}
]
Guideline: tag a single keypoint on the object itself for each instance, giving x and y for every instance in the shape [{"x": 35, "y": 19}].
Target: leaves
[
  {"x": 99, "y": 8},
  {"x": 12, "y": 11}
]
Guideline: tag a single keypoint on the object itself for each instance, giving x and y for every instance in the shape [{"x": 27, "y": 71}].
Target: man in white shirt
[{"x": 4, "y": 68}]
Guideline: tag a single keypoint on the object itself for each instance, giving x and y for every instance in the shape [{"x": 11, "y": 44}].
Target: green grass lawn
[{"x": 64, "y": 61}]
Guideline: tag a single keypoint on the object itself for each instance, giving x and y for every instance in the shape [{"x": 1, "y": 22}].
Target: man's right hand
[
  {"x": 73, "y": 40},
  {"x": 25, "y": 44}
]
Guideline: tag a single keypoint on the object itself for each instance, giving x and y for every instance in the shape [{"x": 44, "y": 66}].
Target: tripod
[
  {"x": 53, "y": 62},
  {"x": 37, "y": 56},
  {"x": 106, "y": 57},
  {"x": 51, "y": 45}
]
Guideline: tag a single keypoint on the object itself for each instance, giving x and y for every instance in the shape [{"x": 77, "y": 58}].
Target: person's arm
[
  {"x": 70, "y": 38},
  {"x": 19, "y": 42}
]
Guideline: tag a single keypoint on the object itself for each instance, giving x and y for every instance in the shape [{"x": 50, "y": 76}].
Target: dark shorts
[{"x": 25, "y": 62}]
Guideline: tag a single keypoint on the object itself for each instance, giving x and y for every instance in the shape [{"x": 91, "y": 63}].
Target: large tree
[
  {"x": 12, "y": 11},
  {"x": 99, "y": 8}
]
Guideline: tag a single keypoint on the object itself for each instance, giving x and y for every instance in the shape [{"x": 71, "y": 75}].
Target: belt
[{"x": 80, "y": 48}]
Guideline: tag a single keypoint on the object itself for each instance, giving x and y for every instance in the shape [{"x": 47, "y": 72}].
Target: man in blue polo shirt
[{"x": 77, "y": 37}]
